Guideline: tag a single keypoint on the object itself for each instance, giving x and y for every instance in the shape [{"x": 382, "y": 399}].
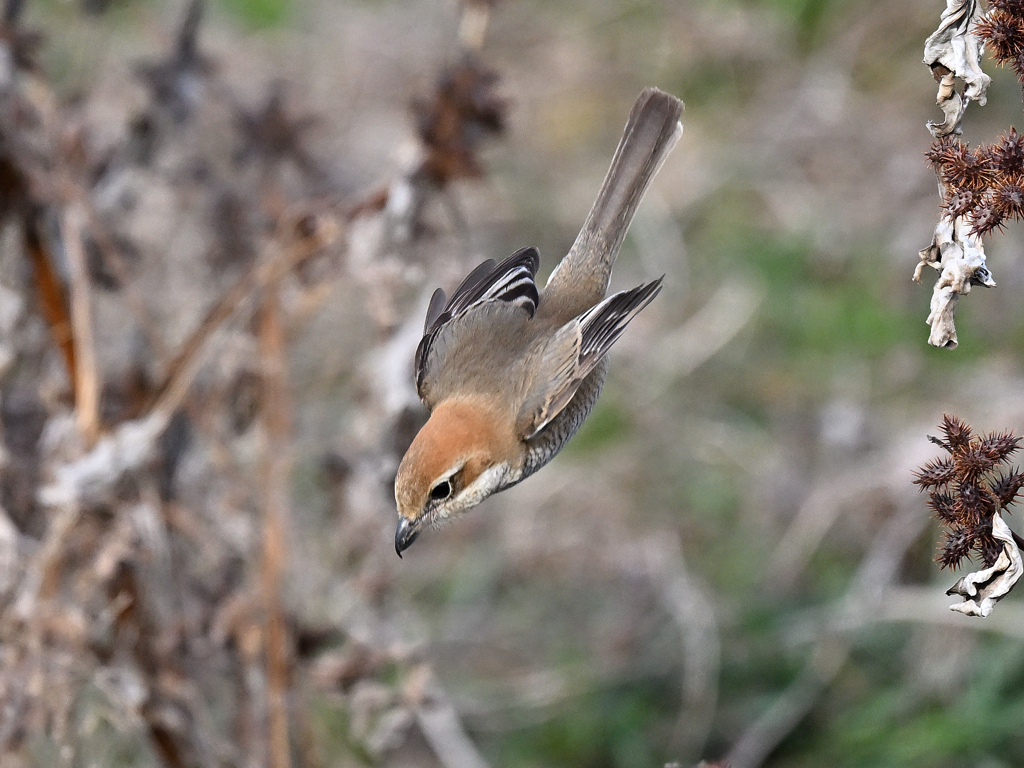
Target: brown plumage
[{"x": 510, "y": 372}]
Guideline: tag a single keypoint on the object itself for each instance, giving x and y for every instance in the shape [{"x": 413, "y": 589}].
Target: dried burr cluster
[
  {"x": 968, "y": 488},
  {"x": 985, "y": 184},
  {"x": 1002, "y": 28},
  {"x": 981, "y": 188}
]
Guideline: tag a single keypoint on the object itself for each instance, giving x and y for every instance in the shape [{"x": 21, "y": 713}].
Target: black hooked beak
[{"x": 405, "y": 535}]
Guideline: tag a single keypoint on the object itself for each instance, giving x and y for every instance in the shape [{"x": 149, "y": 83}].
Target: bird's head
[{"x": 464, "y": 453}]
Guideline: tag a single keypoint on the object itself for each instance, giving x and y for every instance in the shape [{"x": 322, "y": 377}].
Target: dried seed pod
[
  {"x": 986, "y": 218},
  {"x": 1003, "y": 31},
  {"x": 966, "y": 492},
  {"x": 960, "y": 203},
  {"x": 1007, "y": 155},
  {"x": 936, "y": 473},
  {"x": 1000, "y": 446},
  {"x": 1008, "y": 199},
  {"x": 1007, "y": 487},
  {"x": 944, "y": 507},
  {"x": 957, "y": 545},
  {"x": 958, "y": 433}
]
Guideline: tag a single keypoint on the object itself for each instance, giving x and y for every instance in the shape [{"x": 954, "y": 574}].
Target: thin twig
[
  {"x": 440, "y": 723},
  {"x": 761, "y": 739},
  {"x": 181, "y": 370},
  {"x": 277, "y": 464},
  {"x": 693, "y": 611},
  {"x": 473, "y": 25},
  {"x": 87, "y": 382}
]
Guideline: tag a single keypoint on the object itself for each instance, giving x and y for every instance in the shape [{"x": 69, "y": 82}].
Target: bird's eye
[{"x": 441, "y": 491}]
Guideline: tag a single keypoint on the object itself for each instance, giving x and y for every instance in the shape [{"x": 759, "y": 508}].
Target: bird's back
[{"x": 482, "y": 353}]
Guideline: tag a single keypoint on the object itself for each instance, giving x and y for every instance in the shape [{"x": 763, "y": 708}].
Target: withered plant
[
  {"x": 968, "y": 487},
  {"x": 980, "y": 188},
  {"x": 968, "y": 491}
]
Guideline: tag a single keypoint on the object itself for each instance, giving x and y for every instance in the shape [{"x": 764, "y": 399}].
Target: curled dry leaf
[
  {"x": 954, "y": 51},
  {"x": 982, "y": 589},
  {"x": 959, "y": 256}
]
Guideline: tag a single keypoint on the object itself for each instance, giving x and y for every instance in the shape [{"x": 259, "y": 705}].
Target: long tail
[{"x": 653, "y": 128}]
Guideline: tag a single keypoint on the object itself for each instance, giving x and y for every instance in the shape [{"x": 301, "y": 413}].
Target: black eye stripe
[{"x": 441, "y": 491}]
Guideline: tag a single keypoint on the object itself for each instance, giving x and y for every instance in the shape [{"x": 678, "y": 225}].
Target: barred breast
[{"x": 542, "y": 448}]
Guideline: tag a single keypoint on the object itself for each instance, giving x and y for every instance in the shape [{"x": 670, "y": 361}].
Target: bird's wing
[
  {"x": 511, "y": 281},
  {"x": 574, "y": 351}
]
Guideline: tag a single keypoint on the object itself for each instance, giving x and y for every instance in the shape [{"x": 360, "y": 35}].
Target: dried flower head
[
  {"x": 986, "y": 217},
  {"x": 1003, "y": 31},
  {"x": 967, "y": 487},
  {"x": 464, "y": 110},
  {"x": 985, "y": 185},
  {"x": 960, "y": 203},
  {"x": 1013, "y": 7},
  {"x": 1006, "y": 156}
]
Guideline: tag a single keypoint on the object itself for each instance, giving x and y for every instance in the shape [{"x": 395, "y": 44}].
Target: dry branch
[
  {"x": 276, "y": 471},
  {"x": 87, "y": 379}
]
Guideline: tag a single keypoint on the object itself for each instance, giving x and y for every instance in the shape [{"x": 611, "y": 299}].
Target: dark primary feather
[
  {"x": 575, "y": 351},
  {"x": 511, "y": 281},
  {"x": 434, "y": 309},
  {"x": 603, "y": 325}
]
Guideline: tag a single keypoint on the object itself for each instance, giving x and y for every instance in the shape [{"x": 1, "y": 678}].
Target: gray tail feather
[{"x": 651, "y": 131}]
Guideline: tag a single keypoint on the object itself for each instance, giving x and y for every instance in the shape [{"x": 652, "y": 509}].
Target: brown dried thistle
[
  {"x": 1002, "y": 28},
  {"x": 986, "y": 184},
  {"x": 464, "y": 109},
  {"x": 175, "y": 83},
  {"x": 968, "y": 487}
]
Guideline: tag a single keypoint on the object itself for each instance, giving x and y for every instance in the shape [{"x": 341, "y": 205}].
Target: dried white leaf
[
  {"x": 91, "y": 476},
  {"x": 954, "y": 51},
  {"x": 11, "y": 554},
  {"x": 959, "y": 256},
  {"x": 983, "y": 589}
]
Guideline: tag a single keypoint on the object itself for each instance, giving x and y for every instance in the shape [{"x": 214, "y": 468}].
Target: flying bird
[{"x": 510, "y": 371}]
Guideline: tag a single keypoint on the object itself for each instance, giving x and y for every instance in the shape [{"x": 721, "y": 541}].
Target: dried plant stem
[
  {"x": 441, "y": 725},
  {"x": 40, "y": 576},
  {"x": 276, "y": 471},
  {"x": 791, "y": 707},
  {"x": 87, "y": 383},
  {"x": 181, "y": 370},
  {"x": 50, "y": 292}
]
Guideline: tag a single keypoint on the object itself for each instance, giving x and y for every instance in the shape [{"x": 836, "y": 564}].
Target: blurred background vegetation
[{"x": 729, "y": 562}]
